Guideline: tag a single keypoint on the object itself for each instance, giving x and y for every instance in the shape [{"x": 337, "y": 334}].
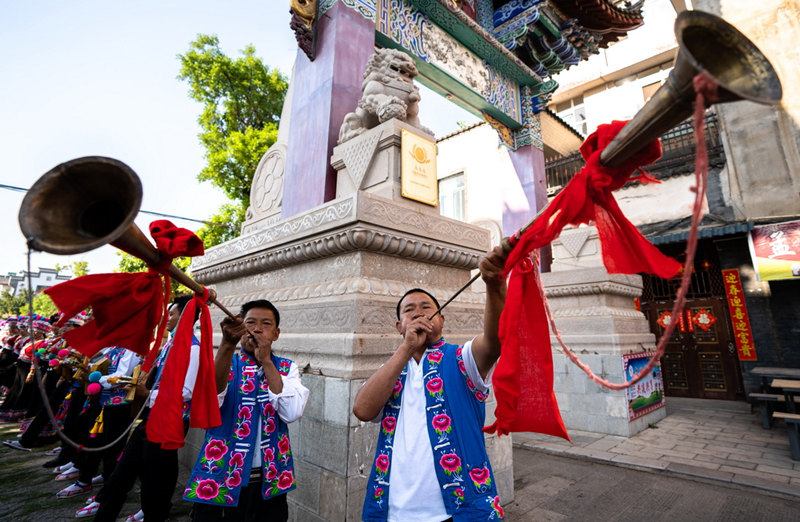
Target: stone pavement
[{"x": 704, "y": 439}]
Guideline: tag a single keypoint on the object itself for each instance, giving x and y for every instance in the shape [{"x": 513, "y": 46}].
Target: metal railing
[{"x": 677, "y": 155}]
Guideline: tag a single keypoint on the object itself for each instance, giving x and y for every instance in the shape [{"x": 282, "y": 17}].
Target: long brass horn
[
  {"x": 86, "y": 203},
  {"x": 707, "y": 44}
]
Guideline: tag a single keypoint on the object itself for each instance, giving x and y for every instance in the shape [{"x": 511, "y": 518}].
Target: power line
[{"x": 160, "y": 214}]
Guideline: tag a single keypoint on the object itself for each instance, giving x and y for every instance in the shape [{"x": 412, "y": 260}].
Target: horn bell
[
  {"x": 707, "y": 44},
  {"x": 80, "y": 205}
]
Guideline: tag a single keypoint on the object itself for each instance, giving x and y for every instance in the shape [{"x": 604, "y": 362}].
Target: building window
[
  {"x": 574, "y": 113},
  {"x": 452, "y": 197}
]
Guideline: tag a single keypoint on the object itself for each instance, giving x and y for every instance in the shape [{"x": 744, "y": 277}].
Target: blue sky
[{"x": 97, "y": 77}]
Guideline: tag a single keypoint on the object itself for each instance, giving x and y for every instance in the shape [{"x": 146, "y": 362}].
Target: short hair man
[
  {"x": 245, "y": 466},
  {"x": 430, "y": 461}
]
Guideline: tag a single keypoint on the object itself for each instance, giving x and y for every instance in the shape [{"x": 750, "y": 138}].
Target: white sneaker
[
  {"x": 53, "y": 452},
  {"x": 89, "y": 510},
  {"x": 62, "y": 468},
  {"x": 98, "y": 480},
  {"x": 71, "y": 473},
  {"x": 136, "y": 517},
  {"x": 75, "y": 488}
]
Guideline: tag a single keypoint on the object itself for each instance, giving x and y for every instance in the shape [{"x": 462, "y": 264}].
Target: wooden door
[{"x": 700, "y": 359}]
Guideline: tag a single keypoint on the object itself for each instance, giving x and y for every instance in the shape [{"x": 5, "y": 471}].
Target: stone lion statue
[{"x": 388, "y": 91}]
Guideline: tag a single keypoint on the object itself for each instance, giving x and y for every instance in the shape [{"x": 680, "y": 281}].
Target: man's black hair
[
  {"x": 182, "y": 300},
  {"x": 415, "y": 291},
  {"x": 261, "y": 303}
]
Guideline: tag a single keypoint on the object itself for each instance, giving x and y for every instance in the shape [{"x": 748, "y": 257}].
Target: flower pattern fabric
[
  {"x": 223, "y": 466},
  {"x": 455, "y": 415}
]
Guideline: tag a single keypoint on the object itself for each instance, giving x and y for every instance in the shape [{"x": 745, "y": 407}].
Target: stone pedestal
[
  {"x": 336, "y": 272},
  {"x": 595, "y": 313}
]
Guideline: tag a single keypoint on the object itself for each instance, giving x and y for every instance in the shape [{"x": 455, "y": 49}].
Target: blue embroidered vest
[
  {"x": 223, "y": 465},
  {"x": 116, "y": 395},
  {"x": 455, "y": 412}
]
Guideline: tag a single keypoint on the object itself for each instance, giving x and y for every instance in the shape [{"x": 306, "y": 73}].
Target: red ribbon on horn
[{"x": 525, "y": 399}]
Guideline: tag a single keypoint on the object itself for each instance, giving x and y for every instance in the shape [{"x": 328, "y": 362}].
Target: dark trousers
[
  {"x": 158, "y": 471},
  {"x": 251, "y": 508},
  {"x": 49, "y": 380},
  {"x": 77, "y": 423},
  {"x": 41, "y": 420},
  {"x": 116, "y": 420}
]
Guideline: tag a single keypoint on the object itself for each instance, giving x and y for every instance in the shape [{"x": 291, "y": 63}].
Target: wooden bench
[
  {"x": 766, "y": 403},
  {"x": 793, "y": 427}
]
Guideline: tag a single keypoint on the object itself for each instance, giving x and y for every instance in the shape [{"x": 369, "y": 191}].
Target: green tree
[
  {"x": 11, "y": 304},
  {"x": 77, "y": 268},
  {"x": 42, "y": 305},
  {"x": 242, "y": 100}
]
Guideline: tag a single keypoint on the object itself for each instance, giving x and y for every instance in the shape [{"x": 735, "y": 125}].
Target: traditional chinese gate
[{"x": 701, "y": 359}]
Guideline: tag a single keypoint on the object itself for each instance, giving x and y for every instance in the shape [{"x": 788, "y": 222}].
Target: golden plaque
[{"x": 418, "y": 169}]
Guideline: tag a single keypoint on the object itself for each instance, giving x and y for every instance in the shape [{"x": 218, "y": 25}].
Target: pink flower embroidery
[
  {"x": 451, "y": 463},
  {"x": 269, "y": 409},
  {"x": 388, "y": 425},
  {"x": 230, "y": 375},
  {"x": 435, "y": 357},
  {"x": 398, "y": 387},
  {"x": 272, "y": 472},
  {"x": 441, "y": 423},
  {"x": 243, "y": 431},
  {"x": 470, "y": 384},
  {"x": 480, "y": 396},
  {"x": 270, "y": 425},
  {"x": 245, "y": 412},
  {"x": 207, "y": 489},
  {"x": 116, "y": 400},
  {"x": 283, "y": 445},
  {"x": 382, "y": 463},
  {"x": 286, "y": 480},
  {"x": 459, "y": 493},
  {"x": 378, "y": 493},
  {"x": 269, "y": 455},
  {"x": 234, "y": 479},
  {"x": 480, "y": 476},
  {"x": 434, "y": 386},
  {"x": 215, "y": 450},
  {"x": 248, "y": 386},
  {"x": 237, "y": 460},
  {"x": 496, "y": 506},
  {"x": 462, "y": 366}
]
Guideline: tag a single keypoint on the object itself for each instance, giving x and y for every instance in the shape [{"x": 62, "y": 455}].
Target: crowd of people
[{"x": 430, "y": 462}]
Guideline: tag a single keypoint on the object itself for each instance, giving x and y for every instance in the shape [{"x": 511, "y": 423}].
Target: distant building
[{"x": 44, "y": 278}]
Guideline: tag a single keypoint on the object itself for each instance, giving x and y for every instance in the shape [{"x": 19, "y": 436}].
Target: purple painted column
[
  {"x": 324, "y": 91},
  {"x": 528, "y": 161}
]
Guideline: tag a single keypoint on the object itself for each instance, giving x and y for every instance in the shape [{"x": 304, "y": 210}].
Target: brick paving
[{"x": 714, "y": 440}]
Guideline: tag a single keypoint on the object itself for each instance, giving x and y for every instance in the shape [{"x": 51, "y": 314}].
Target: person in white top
[
  {"x": 430, "y": 458},
  {"x": 245, "y": 468}
]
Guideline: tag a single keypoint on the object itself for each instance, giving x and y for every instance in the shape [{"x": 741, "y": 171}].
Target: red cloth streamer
[
  {"x": 528, "y": 370},
  {"x": 126, "y": 308},
  {"x": 165, "y": 424},
  {"x": 525, "y": 401}
]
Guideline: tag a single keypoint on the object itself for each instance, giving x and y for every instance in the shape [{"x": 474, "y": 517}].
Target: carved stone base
[
  {"x": 595, "y": 314},
  {"x": 336, "y": 273}
]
